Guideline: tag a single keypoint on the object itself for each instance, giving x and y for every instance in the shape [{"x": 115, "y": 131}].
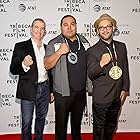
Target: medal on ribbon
[
  {"x": 115, "y": 72},
  {"x": 72, "y": 57}
]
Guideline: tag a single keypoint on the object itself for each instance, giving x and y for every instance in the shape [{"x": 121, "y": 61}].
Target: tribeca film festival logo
[
  {"x": 87, "y": 118},
  {"x": 16, "y": 123},
  {"x": 5, "y": 54},
  {"x": 136, "y": 56},
  {"x": 72, "y": 6},
  {"x": 98, "y": 8},
  {"x": 13, "y": 80},
  {"x": 136, "y": 9},
  {"x": 17, "y": 31},
  {"x": 88, "y": 30},
  {"x": 136, "y": 99},
  {"x": 3, "y": 4},
  {"x": 6, "y": 100}
]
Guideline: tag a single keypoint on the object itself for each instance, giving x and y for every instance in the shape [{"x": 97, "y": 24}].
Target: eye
[
  {"x": 73, "y": 23},
  {"x": 65, "y": 24},
  {"x": 108, "y": 27}
]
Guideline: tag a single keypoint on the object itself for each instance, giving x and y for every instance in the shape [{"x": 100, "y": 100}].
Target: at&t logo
[{"x": 23, "y": 8}]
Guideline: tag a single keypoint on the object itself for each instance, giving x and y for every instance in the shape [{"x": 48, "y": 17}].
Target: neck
[
  {"x": 72, "y": 38},
  {"x": 38, "y": 42},
  {"x": 108, "y": 41}
]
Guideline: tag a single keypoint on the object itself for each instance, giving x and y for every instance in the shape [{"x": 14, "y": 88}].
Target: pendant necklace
[
  {"x": 72, "y": 56},
  {"x": 115, "y": 72}
]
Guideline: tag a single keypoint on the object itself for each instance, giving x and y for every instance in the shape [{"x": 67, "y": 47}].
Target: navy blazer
[
  {"x": 105, "y": 89},
  {"x": 27, "y": 84}
]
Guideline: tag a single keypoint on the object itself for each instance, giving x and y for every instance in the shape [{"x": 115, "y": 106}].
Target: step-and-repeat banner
[{"x": 15, "y": 19}]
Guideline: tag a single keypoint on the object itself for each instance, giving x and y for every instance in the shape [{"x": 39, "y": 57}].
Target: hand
[
  {"x": 105, "y": 59},
  {"x": 123, "y": 96},
  {"x": 64, "y": 48},
  {"x": 28, "y": 61},
  {"x": 51, "y": 98}
]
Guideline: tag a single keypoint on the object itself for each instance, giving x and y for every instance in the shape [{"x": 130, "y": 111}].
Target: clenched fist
[
  {"x": 28, "y": 61},
  {"x": 105, "y": 59},
  {"x": 64, "y": 48}
]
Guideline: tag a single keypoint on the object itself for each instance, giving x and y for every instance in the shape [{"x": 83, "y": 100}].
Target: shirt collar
[
  {"x": 34, "y": 43},
  {"x": 107, "y": 44}
]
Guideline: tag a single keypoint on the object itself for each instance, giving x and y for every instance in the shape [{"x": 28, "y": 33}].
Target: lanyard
[
  {"x": 114, "y": 50},
  {"x": 79, "y": 46}
]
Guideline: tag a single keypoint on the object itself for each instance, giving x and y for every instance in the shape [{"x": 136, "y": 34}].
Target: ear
[
  {"x": 114, "y": 28},
  {"x": 31, "y": 31},
  {"x": 97, "y": 31}
]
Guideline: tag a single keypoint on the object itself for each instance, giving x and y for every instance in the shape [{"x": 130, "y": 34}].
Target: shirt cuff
[{"x": 25, "y": 68}]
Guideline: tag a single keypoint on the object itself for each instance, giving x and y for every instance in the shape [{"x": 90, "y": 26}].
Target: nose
[
  {"x": 69, "y": 27},
  {"x": 39, "y": 29},
  {"x": 105, "y": 28}
]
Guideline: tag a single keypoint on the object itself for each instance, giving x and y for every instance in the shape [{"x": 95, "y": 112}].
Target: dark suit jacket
[
  {"x": 27, "y": 84},
  {"x": 105, "y": 89}
]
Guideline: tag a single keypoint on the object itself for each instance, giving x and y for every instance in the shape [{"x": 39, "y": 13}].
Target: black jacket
[
  {"x": 105, "y": 89},
  {"x": 27, "y": 84}
]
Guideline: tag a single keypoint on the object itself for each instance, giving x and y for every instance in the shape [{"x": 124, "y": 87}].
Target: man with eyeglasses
[{"x": 107, "y": 66}]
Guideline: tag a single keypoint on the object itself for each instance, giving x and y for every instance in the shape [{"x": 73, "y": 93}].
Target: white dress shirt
[{"x": 39, "y": 54}]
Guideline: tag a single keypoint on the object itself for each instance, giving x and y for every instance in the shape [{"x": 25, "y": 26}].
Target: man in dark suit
[
  {"x": 33, "y": 89},
  {"x": 108, "y": 69}
]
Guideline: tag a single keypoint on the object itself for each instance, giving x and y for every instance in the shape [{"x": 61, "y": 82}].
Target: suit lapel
[
  {"x": 30, "y": 49},
  {"x": 103, "y": 47}
]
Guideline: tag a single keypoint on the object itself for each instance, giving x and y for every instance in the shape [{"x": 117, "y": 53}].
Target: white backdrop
[{"x": 16, "y": 17}]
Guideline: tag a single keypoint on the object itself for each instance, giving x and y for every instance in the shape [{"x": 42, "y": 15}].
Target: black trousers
[
  {"x": 66, "y": 106},
  {"x": 105, "y": 118}
]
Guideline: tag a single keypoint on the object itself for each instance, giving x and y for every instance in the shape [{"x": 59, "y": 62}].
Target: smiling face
[
  {"x": 38, "y": 30},
  {"x": 105, "y": 30},
  {"x": 69, "y": 27}
]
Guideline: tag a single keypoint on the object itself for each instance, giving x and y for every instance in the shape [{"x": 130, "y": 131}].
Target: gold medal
[{"x": 115, "y": 72}]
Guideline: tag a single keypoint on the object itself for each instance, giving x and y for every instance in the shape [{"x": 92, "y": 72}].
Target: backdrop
[{"x": 16, "y": 17}]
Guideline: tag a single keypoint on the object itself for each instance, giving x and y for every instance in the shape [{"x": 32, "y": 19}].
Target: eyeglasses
[{"x": 108, "y": 27}]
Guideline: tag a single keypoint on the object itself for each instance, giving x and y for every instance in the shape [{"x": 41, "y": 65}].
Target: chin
[{"x": 106, "y": 38}]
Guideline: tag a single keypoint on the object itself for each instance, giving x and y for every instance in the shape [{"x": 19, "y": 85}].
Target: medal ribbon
[
  {"x": 114, "y": 50},
  {"x": 79, "y": 46}
]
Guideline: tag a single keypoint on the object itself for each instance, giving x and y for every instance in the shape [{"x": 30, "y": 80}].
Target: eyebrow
[
  {"x": 106, "y": 25},
  {"x": 67, "y": 23}
]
